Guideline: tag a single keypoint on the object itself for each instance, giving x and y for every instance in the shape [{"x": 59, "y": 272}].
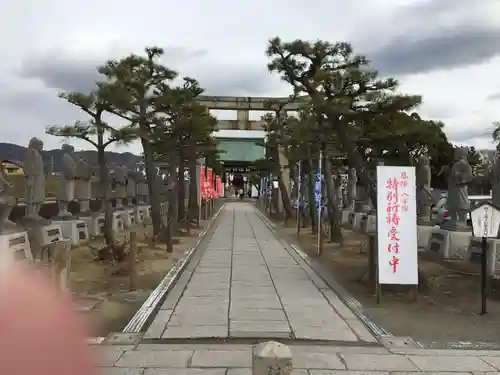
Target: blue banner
[
  {"x": 317, "y": 190},
  {"x": 299, "y": 183},
  {"x": 263, "y": 187}
]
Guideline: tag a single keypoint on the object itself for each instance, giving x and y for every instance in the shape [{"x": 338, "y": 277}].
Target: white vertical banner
[
  {"x": 397, "y": 225},
  {"x": 318, "y": 193}
]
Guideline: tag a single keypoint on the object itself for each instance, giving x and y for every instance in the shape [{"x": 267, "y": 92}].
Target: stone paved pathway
[
  {"x": 247, "y": 285},
  {"x": 236, "y": 359}
]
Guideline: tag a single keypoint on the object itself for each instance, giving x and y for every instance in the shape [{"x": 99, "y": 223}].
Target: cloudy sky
[{"x": 446, "y": 50}]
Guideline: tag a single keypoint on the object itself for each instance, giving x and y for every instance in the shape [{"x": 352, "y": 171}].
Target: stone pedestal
[
  {"x": 163, "y": 209},
  {"x": 74, "y": 230},
  {"x": 83, "y": 194},
  {"x": 117, "y": 224},
  {"x": 423, "y": 235},
  {"x": 358, "y": 220},
  {"x": 455, "y": 226},
  {"x": 271, "y": 358},
  {"x": 15, "y": 247},
  {"x": 144, "y": 212},
  {"x": 47, "y": 234},
  {"x": 129, "y": 218},
  {"x": 345, "y": 217},
  {"x": 351, "y": 219},
  {"x": 139, "y": 215},
  {"x": 95, "y": 224},
  {"x": 449, "y": 245},
  {"x": 369, "y": 224}
]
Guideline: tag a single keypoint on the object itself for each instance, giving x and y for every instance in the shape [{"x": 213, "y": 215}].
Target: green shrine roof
[{"x": 241, "y": 150}]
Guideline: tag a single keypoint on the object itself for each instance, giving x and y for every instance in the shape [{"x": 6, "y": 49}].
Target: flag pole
[{"x": 299, "y": 182}]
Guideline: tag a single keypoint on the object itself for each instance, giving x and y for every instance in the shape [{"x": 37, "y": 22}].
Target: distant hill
[{"x": 52, "y": 158}]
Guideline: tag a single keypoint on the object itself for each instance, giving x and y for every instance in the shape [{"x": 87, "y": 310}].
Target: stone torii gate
[{"x": 243, "y": 105}]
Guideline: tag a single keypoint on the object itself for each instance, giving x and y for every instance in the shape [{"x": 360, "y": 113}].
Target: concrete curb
[
  {"x": 352, "y": 303},
  {"x": 151, "y": 305}
]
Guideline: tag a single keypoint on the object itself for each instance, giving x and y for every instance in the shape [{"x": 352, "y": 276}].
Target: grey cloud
[
  {"x": 59, "y": 69},
  {"x": 67, "y": 72},
  {"x": 494, "y": 96},
  {"x": 464, "y": 136},
  {"x": 458, "y": 49},
  {"x": 438, "y": 34}
]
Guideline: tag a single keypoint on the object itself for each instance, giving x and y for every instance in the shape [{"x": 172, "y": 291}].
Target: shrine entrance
[{"x": 238, "y": 153}]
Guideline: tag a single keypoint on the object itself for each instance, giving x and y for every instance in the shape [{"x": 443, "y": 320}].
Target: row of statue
[
  {"x": 459, "y": 177},
  {"x": 74, "y": 182}
]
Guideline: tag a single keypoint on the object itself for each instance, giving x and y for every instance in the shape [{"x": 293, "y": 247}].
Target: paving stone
[
  {"x": 206, "y": 292},
  {"x": 121, "y": 371},
  {"x": 257, "y": 314},
  {"x": 195, "y": 331},
  {"x": 347, "y": 372},
  {"x": 324, "y": 333},
  {"x": 361, "y": 331},
  {"x": 344, "y": 311},
  {"x": 222, "y": 358},
  {"x": 158, "y": 325},
  {"x": 151, "y": 358},
  {"x": 107, "y": 356},
  {"x": 370, "y": 362},
  {"x": 256, "y": 304},
  {"x": 306, "y": 360},
  {"x": 172, "y": 297},
  {"x": 451, "y": 363},
  {"x": 494, "y": 361},
  {"x": 260, "y": 329},
  {"x": 337, "y": 349},
  {"x": 200, "y": 318},
  {"x": 239, "y": 371},
  {"x": 195, "y": 346},
  {"x": 185, "y": 371},
  {"x": 210, "y": 308}
]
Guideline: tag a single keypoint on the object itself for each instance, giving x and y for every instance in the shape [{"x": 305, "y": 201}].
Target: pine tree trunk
[
  {"x": 104, "y": 186},
  {"x": 173, "y": 196},
  {"x": 332, "y": 201},
  {"x": 285, "y": 197},
  {"x": 154, "y": 198},
  {"x": 303, "y": 195},
  {"x": 193, "y": 208},
  {"x": 311, "y": 182},
  {"x": 181, "y": 187}
]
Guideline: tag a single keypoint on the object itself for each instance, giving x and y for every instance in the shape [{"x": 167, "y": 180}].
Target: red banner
[
  {"x": 210, "y": 183},
  {"x": 211, "y": 187},
  {"x": 217, "y": 187},
  {"x": 202, "y": 184}
]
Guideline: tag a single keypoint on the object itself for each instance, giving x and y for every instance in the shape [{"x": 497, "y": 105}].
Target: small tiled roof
[{"x": 15, "y": 162}]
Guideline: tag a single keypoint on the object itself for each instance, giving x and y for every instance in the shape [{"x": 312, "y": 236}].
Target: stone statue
[
  {"x": 7, "y": 203},
  {"x": 352, "y": 189},
  {"x": 424, "y": 196},
  {"x": 458, "y": 197},
  {"x": 142, "y": 187},
  {"x": 120, "y": 178},
  {"x": 83, "y": 177},
  {"x": 98, "y": 191},
  {"x": 66, "y": 191},
  {"x": 495, "y": 181},
  {"x": 131, "y": 186},
  {"x": 34, "y": 173}
]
